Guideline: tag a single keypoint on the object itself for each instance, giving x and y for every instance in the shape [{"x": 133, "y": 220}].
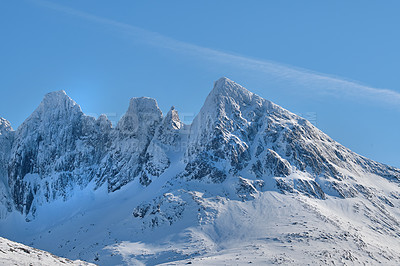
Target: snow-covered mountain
[{"x": 246, "y": 181}]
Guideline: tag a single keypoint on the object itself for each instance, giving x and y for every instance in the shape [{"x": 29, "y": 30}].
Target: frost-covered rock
[
  {"x": 6, "y": 141},
  {"x": 237, "y": 134},
  {"x": 167, "y": 141},
  {"x": 131, "y": 139},
  {"x": 55, "y": 150},
  {"x": 165, "y": 209}
]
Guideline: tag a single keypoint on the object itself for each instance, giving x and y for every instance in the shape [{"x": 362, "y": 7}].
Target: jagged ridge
[{"x": 236, "y": 134}]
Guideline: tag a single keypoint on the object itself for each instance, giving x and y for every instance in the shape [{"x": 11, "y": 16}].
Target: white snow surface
[
  {"x": 246, "y": 182},
  {"x": 12, "y": 253}
]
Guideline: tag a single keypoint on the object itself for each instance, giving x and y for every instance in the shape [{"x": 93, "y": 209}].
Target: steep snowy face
[
  {"x": 222, "y": 134},
  {"x": 6, "y": 140},
  {"x": 131, "y": 139},
  {"x": 166, "y": 146},
  {"x": 172, "y": 120},
  {"x": 55, "y": 150},
  {"x": 142, "y": 117},
  {"x": 52, "y": 128},
  {"x": 58, "y": 150},
  {"x": 5, "y": 126},
  {"x": 169, "y": 130},
  {"x": 237, "y": 133}
]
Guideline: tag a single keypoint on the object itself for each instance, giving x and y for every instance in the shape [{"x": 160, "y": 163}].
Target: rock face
[
  {"x": 237, "y": 133},
  {"x": 59, "y": 150},
  {"x": 131, "y": 139},
  {"x": 6, "y": 141},
  {"x": 56, "y": 150}
]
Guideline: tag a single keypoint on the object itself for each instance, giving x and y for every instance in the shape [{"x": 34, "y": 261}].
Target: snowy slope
[
  {"x": 12, "y": 253},
  {"x": 247, "y": 181}
]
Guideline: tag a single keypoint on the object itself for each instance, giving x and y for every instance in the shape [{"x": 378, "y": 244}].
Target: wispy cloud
[{"x": 319, "y": 82}]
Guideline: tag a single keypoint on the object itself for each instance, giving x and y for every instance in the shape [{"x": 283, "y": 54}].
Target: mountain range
[{"x": 246, "y": 182}]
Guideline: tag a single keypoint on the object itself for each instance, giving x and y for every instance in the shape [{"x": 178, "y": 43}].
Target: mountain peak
[
  {"x": 55, "y": 106},
  {"x": 143, "y": 104},
  {"x": 57, "y": 100},
  {"x": 142, "y": 110},
  {"x": 5, "y": 126},
  {"x": 226, "y": 93},
  {"x": 60, "y": 93},
  {"x": 172, "y": 118},
  {"x": 223, "y": 84},
  {"x": 221, "y": 81},
  {"x": 56, "y": 97},
  {"x": 229, "y": 88}
]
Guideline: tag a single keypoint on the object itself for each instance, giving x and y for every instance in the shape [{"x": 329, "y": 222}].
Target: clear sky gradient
[{"x": 334, "y": 62}]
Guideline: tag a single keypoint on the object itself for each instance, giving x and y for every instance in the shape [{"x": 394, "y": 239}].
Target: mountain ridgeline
[{"x": 237, "y": 137}]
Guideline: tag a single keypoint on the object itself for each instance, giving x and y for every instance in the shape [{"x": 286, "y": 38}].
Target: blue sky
[{"x": 334, "y": 62}]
